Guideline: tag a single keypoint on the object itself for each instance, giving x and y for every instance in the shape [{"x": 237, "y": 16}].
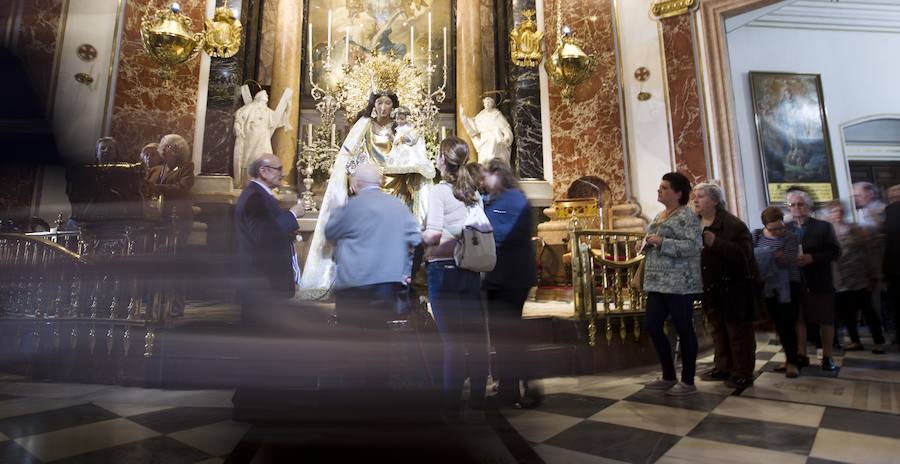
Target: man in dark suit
[
  {"x": 265, "y": 236},
  {"x": 891, "y": 267},
  {"x": 819, "y": 249},
  {"x": 374, "y": 236}
]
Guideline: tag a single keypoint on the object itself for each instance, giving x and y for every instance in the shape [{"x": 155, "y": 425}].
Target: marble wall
[
  {"x": 586, "y": 134},
  {"x": 488, "y": 46},
  {"x": 146, "y": 108},
  {"x": 36, "y": 42},
  {"x": 684, "y": 97}
]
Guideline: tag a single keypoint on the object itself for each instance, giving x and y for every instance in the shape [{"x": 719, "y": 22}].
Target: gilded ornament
[
  {"x": 525, "y": 42},
  {"x": 380, "y": 73},
  {"x": 167, "y": 37},
  {"x": 669, "y": 8},
  {"x": 222, "y": 33}
]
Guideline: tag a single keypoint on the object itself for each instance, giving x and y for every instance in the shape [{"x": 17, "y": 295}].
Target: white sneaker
[
  {"x": 660, "y": 384},
  {"x": 682, "y": 389},
  {"x": 819, "y": 354}
]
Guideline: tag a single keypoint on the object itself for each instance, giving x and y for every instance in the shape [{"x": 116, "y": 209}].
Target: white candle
[
  {"x": 445, "y": 48},
  {"x": 429, "y": 38},
  {"x": 443, "y": 132},
  {"x": 333, "y": 133},
  {"x": 309, "y": 46},
  {"x": 329, "y": 30},
  {"x": 412, "y": 43},
  {"x": 347, "y": 46},
  {"x": 309, "y": 134}
]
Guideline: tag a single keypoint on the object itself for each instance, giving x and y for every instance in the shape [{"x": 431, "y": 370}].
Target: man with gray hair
[
  {"x": 374, "y": 236},
  {"x": 869, "y": 207}
]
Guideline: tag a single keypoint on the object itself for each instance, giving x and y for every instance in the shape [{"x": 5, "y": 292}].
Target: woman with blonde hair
[{"x": 455, "y": 293}]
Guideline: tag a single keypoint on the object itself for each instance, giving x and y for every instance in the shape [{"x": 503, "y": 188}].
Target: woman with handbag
[
  {"x": 507, "y": 286},
  {"x": 729, "y": 284},
  {"x": 455, "y": 292},
  {"x": 671, "y": 280}
]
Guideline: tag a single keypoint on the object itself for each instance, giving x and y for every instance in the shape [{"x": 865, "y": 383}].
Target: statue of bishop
[
  {"x": 254, "y": 124},
  {"x": 489, "y": 131}
]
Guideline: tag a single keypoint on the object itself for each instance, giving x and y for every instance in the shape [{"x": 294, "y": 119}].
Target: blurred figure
[
  {"x": 819, "y": 248},
  {"x": 729, "y": 276},
  {"x": 455, "y": 293},
  {"x": 671, "y": 280},
  {"x": 869, "y": 207},
  {"x": 891, "y": 267},
  {"x": 855, "y": 276},
  {"x": 265, "y": 236},
  {"x": 150, "y": 157},
  {"x": 174, "y": 180},
  {"x": 507, "y": 286},
  {"x": 107, "y": 151},
  {"x": 374, "y": 236},
  {"x": 893, "y": 195},
  {"x": 775, "y": 249}
]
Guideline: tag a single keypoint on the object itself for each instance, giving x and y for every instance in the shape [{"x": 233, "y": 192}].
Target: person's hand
[
  {"x": 407, "y": 280},
  {"x": 708, "y": 238},
  {"x": 804, "y": 260},
  {"x": 298, "y": 210},
  {"x": 654, "y": 240}
]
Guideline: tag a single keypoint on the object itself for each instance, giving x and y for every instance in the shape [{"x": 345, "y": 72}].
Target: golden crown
[{"x": 381, "y": 74}]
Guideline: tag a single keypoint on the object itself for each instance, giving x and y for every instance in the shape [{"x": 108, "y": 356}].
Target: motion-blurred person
[
  {"x": 150, "y": 157},
  {"x": 174, "y": 180},
  {"x": 671, "y": 280},
  {"x": 507, "y": 286},
  {"x": 891, "y": 267},
  {"x": 265, "y": 236},
  {"x": 855, "y": 276},
  {"x": 775, "y": 249},
  {"x": 819, "y": 248},
  {"x": 729, "y": 275},
  {"x": 869, "y": 207},
  {"x": 454, "y": 292},
  {"x": 893, "y": 195},
  {"x": 374, "y": 236}
]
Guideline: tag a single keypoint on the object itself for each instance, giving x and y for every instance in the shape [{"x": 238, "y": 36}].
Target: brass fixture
[
  {"x": 86, "y": 52},
  {"x": 223, "y": 33},
  {"x": 167, "y": 37},
  {"x": 668, "y": 8},
  {"x": 569, "y": 65},
  {"x": 84, "y": 78},
  {"x": 525, "y": 42}
]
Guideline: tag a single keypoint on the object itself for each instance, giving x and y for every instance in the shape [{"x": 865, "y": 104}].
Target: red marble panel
[
  {"x": 146, "y": 108},
  {"x": 684, "y": 98},
  {"x": 586, "y": 133},
  {"x": 36, "y": 43}
]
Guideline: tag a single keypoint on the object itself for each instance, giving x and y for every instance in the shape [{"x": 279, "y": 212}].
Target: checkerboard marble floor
[{"x": 850, "y": 416}]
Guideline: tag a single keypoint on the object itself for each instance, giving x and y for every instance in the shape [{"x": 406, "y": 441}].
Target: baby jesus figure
[{"x": 405, "y": 139}]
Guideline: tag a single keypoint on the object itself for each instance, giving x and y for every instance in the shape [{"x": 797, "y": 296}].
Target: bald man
[
  {"x": 265, "y": 235},
  {"x": 374, "y": 236}
]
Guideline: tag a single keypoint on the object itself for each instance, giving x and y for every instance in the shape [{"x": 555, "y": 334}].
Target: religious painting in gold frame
[
  {"x": 360, "y": 27},
  {"x": 792, "y": 134}
]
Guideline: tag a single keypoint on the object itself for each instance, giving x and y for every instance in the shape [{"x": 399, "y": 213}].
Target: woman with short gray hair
[{"x": 729, "y": 288}]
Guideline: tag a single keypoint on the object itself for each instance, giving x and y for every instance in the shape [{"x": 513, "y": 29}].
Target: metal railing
[{"x": 604, "y": 262}]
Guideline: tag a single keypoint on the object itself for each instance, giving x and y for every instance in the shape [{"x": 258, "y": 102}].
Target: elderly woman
[
  {"x": 729, "y": 275},
  {"x": 819, "y": 248},
  {"x": 855, "y": 275},
  {"x": 776, "y": 250},
  {"x": 151, "y": 157},
  {"x": 671, "y": 280}
]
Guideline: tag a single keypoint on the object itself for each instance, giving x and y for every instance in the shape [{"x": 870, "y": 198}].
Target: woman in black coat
[{"x": 729, "y": 288}]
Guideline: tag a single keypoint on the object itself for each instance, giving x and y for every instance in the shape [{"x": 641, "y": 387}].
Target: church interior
[{"x": 134, "y": 128}]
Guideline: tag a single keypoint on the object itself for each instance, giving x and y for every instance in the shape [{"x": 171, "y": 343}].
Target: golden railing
[
  {"x": 61, "y": 289},
  {"x": 604, "y": 263}
]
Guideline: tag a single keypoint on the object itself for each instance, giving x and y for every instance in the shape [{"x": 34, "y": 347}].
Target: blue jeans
[
  {"x": 681, "y": 308},
  {"x": 455, "y": 296}
]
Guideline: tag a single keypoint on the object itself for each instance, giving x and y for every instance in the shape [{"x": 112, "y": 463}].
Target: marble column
[
  {"x": 468, "y": 63},
  {"x": 286, "y": 74},
  {"x": 525, "y": 103}
]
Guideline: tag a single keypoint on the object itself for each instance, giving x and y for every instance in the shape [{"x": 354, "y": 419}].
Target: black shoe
[
  {"x": 829, "y": 365},
  {"x": 878, "y": 350},
  {"x": 739, "y": 383},
  {"x": 802, "y": 361},
  {"x": 714, "y": 375}
]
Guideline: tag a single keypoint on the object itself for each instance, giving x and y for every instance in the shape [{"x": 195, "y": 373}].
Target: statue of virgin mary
[{"x": 370, "y": 140}]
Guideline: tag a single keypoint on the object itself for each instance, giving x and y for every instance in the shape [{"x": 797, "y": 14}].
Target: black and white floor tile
[{"x": 852, "y": 416}]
